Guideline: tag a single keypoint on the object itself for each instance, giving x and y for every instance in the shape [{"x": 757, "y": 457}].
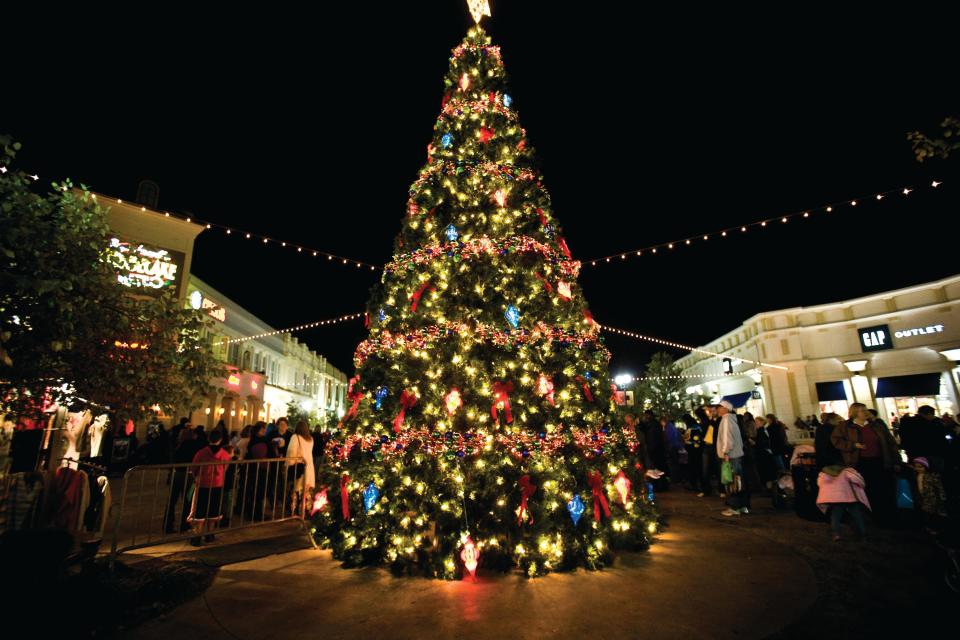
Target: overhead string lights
[
  {"x": 806, "y": 214},
  {"x": 302, "y": 327},
  {"x": 234, "y": 232},
  {"x": 677, "y": 345}
]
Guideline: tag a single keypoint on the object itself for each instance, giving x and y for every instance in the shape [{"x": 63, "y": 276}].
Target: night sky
[{"x": 649, "y": 127}]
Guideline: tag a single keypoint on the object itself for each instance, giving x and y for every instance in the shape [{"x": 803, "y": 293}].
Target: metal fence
[{"x": 166, "y": 503}]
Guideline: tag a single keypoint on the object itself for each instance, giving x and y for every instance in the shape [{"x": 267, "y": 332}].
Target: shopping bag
[
  {"x": 726, "y": 472},
  {"x": 904, "y": 494}
]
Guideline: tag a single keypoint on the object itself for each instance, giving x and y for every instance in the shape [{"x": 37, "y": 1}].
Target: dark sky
[{"x": 649, "y": 127}]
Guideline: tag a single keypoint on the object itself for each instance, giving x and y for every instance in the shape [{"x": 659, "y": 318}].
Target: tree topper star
[{"x": 478, "y": 9}]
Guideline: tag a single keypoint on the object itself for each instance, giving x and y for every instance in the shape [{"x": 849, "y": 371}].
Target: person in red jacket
[{"x": 208, "y": 500}]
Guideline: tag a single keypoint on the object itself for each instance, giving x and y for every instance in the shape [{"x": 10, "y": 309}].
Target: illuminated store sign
[
  {"x": 198, "y": 301},
  {"x": 920, "y": 331},
  {"x": 875, "y": 338},
  {"x": 139, "y": 266}
]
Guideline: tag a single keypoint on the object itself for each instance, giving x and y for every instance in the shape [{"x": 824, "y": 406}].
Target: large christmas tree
[{"x": 482, "y": 419}]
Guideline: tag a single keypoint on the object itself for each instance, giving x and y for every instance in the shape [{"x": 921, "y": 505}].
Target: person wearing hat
[{"x": 730, "y": 451}]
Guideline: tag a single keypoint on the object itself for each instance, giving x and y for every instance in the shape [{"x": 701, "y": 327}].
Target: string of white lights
[
  {"x": 301, "y": 327},
  {"x": 806, "y": 214},
  {"x": 680, "y": 377},
  {"x": 677, "y": 345}
]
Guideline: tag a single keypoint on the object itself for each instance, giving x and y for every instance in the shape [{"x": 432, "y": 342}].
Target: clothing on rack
[
  {"x": 20, "y": 502},
  {"x": 71, "y": 495}
]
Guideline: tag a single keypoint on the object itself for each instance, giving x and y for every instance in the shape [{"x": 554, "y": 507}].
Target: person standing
[
  {"x": 210, "y": 478},
  {"x": 187, "y": 448},
  {"x": 778, "y": 441},
  {"x": 730, "y": 450},
  {"x": 709, "y": 422},
  {"x": 300, "y": 470},
  {"x": 870, "y": 448},
  {"x": 694, "y": 446}
]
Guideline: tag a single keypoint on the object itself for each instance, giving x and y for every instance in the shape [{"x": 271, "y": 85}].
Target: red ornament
[
  {"x": 485, "y": 135},
  {"x": 622, "y": 485},
  {"x": 453, "y": 401},
  {"x": 501, "y": 400},
  {"x": 546, "y": 283},
  {"x": 345, "y": 495},
  {"x": 527, "y": 489},
  {"x": 470, "y": 556},
  {"x": 599, "y": 499},
  {"x": 545, "y": 387},
  {"x": 407, "y": 400},
  {"x": 356, "y": 396},
  {"x": 418, "y": 293},
  {"x": 319, "y": 502}
]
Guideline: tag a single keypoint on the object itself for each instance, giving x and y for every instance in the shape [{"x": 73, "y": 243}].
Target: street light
[
  {"x": 951, "y": 354},
  {"x": 623, "y": 379}
]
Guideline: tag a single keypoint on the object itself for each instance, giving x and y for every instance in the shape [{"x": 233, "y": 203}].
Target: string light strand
[
  {"x": 763, "y": 223},
  {"x": 302, "y": 327}
]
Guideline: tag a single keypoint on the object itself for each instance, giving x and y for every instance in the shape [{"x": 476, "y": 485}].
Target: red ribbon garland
[
  {"x": 366, "y": 320},
  {"x": 543, "y": 217},
  {"x": 526, "y": 491},
  {"x": 418, "y": 293},
  {"x": 564, "y": 248},
  {"x": 599, "y": 500},
  {"x": 407, "y": 400},
  {"x": 355, "y": 396},
  {"x": 501, "y": 393},
  {"x": 546, "y": 284},
  {"x": 586, "y": 388},
  {"x": 345, "y": 496}
]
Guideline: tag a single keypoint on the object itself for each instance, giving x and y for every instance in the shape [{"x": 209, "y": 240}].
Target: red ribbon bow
[
  {"x": 418, "y": 293},
  {"x": 501, "y": 393},
  {"x": 345, "y": 496},
  {"x": 546, "y": 283},
  {"x": 526, "y": 491},
  {"x": 407, "y": 400},
  {"x": 356, "y": 396},
  {"x": 586, "y": 388},
  {"x": 565, "y": 248},
  {"x": 543, "y": 217},
  {"x": 589, "y": 317},
  {"x": 366, "y": 320},
  {"x": 599, "y": 500}
]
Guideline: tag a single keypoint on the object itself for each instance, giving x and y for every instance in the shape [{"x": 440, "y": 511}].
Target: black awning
[
  {"x": 827, "y": 391},
  {"x": 923, "y": 384},
  {"x": 738, "y": 399}
]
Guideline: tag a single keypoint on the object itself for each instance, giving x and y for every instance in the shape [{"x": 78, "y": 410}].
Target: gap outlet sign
[{"x": 875, "y": 338}]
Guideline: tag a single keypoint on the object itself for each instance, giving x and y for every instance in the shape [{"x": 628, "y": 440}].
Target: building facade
[
  {"x": 265, "y": 373},
  {"x": 152, "y": 252},
  {"x": 893, "y": 351}
]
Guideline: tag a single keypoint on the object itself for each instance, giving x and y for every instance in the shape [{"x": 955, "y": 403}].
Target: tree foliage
[
  {"x": 665, "y": 388},
  {"x": 925, "y": 147},
  {"x": 66, "y": 326}
]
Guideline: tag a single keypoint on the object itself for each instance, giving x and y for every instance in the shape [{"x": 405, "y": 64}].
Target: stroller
[{"x": 803, "y": 476}]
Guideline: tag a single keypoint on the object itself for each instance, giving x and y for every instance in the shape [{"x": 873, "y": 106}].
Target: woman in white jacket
[{"x": 300, "y": 465}]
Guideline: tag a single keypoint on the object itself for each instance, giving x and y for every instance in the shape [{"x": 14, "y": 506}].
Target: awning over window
[
  {"x": 738, "y": 399},
  {"x": 827, "y": 391},
  {"x": 924, "y": 384}
]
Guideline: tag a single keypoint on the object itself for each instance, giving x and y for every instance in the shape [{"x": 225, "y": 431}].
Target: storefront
[{"x": 893, "y": 351}]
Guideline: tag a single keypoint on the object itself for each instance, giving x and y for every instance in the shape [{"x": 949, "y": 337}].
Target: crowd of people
[
  {"x": 906, "y": 472},
  {"x": 205, "y": 497}
]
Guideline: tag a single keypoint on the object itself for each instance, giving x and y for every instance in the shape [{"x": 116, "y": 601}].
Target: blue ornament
[
  {"x": 380, "y": 394},
  {"x": 335, "y": 451},
  {"x": 398, "y": 447},
  {"x": 575, "y": 507},
  {"x": 513, "y": 316},
  {"x": 452, "y": 234},
  {"x": 507, "y": 100},
  {"x": 384, "y": 438},
  {"x": 460, "y": 453},
  {"x": 588, "y": 375},
  {"x": 382, "y": 315},
  {"x": 446, "y": 140},
  {"x": 649, "y": 492},
  {"x": 525, "y": 453},
  {"x": 542, "y": 435},
  {"x": 604, "y": 430},
  {"x": 370, "y": 496}
]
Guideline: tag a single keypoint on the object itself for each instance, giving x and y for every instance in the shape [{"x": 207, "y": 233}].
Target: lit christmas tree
[{"x": 481, "y": 431}]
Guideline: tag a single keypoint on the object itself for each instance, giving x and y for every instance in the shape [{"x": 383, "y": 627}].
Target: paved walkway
[{"x": 699, "y": 580}]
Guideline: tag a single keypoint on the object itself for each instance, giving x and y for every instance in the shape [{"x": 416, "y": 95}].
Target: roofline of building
[{"x": 820, "y": 307}]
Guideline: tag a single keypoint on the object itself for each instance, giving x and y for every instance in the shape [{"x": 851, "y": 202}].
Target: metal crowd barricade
[{"x": 165, "y": 503}]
